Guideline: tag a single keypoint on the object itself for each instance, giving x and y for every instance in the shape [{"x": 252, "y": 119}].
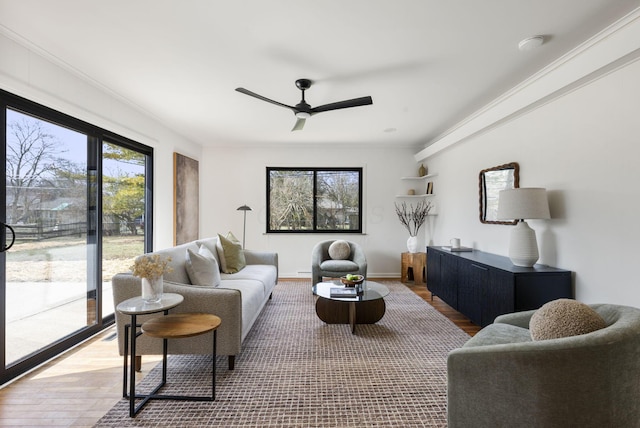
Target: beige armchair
[
  {"x": 502, "y": 378},
  {"x": 323, "y": 266}
]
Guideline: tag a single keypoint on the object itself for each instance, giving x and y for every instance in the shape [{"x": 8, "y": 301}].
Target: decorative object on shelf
[
  {"x": 413, "y": 217},
  {"x": 430, "y": 188},
  {"x": 244, "y": 209},
  {"x": 151, "y": 270},
  {"x": 520, "y": 204},
  {"x": 411, "y": 192},
  {"x": 455, "y": 243},
  {"x": 422, "y": 171}
]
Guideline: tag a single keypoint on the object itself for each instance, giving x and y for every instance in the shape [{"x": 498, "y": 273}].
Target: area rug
[{"x": 297, "y": 371}]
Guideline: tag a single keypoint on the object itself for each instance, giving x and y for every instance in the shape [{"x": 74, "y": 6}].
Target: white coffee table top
[{"x": 137, "y": 306}]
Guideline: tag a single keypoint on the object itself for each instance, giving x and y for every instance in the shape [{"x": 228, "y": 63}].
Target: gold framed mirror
[{"x": 491, "y": 182}]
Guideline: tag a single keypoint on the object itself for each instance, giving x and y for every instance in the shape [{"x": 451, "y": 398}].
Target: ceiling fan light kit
[{"x": 304, "y": 111}]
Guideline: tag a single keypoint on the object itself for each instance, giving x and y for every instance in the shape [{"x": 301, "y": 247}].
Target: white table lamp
[{"x": 520, "y": 204}]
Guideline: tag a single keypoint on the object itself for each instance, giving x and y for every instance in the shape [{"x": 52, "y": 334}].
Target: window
[{"x": 319, "y": 200}]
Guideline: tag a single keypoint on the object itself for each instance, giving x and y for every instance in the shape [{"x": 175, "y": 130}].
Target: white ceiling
[{"x": 427, "y": 64}]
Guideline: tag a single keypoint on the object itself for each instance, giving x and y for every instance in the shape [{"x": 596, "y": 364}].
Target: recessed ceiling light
[{"x": 530, "y": 43}]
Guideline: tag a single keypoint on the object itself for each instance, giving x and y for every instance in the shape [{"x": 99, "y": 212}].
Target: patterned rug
[{"x": 296, "y": 371}]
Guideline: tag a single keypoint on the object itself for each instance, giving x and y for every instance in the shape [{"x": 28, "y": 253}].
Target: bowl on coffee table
[{"x": 352, "y": 281}]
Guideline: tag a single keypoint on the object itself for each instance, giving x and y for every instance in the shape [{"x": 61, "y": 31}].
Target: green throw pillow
[{"x": 233, "y": 254}]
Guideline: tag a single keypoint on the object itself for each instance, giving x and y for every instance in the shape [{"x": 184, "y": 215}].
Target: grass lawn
[{"x": 64, "y": 259}]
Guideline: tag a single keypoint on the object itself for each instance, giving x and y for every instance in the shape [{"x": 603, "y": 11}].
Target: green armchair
[
  {"x": 322, "y": 265},
  {"x": 501, "y": 378}
]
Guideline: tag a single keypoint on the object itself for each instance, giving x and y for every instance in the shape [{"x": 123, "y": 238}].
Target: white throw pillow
[
  {"x": 339, "y": 250},
  {"x": 202, "y": 267}
]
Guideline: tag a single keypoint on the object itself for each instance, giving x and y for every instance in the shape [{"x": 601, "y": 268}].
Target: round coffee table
[{"x": 367, "y": 308}]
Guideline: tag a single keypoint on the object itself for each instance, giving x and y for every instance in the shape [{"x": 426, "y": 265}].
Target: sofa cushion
[
  {"x": 564, "y": 318},
  {"x": 202, "y": 267},
  {"x": 178, "y": 256},
  {"x": 220, "y": 252},
  {"x": 499, "y": 334},
  {"x": 234, "y": 259},
  {"x": 266, "y": 274},
  {"x": 339, "y": 250},
  {"x": 210, "y": 243},
  {"x": 252, "y": 298}
]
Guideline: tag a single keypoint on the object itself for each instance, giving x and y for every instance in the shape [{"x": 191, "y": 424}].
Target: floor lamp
[
  {"x": 520, "y": 204},
  {"x": 244, "y": 208}
]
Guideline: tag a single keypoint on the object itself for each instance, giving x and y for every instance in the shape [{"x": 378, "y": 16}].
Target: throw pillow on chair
[{"x": 339, "y": 250}]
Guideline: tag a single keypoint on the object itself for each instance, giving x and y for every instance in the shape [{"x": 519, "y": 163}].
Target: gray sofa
[
  {"x": 501, "y": 378},
  {"x": 238, "y": 300}
]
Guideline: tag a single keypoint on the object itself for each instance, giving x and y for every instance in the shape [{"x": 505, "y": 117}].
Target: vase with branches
[{"x": 412, "y": 218}]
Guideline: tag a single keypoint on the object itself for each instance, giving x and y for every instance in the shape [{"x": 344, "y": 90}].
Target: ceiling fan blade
[
  {"x": 260, "y": 97},
  {"x": 299, "y": 125},
  {"x": 356, "y": 102}
]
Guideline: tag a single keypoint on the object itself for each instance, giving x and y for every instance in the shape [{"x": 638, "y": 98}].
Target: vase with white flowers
[
  {"x": 151, "y": 269},
  {"x": 413, "y": 217}
]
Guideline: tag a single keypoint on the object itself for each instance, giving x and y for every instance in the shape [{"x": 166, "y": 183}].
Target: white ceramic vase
[
  {"x": 152, "y": 289},
  {"x": 412, "y": 244}
]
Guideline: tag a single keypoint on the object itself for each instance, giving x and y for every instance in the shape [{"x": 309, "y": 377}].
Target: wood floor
[
  {"x": 456, "y": 317},
  {"x": 78, "y": 388}
]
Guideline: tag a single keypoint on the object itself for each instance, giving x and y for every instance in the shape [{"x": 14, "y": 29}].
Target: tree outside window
[{"x": 314, "y": 200}]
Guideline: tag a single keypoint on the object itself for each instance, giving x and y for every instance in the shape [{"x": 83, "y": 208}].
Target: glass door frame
[{"x": 96, "y": 136}]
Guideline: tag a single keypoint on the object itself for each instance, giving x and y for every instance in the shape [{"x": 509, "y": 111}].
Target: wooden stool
[
  {"x": 416, "y": 262},
  {"x": 177, "y": 326}
]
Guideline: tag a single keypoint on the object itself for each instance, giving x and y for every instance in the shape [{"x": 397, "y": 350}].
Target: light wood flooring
[{"x": 79, "y": 387}]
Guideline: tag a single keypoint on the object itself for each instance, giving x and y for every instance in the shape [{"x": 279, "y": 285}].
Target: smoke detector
[{"x": 530, "y": 43}]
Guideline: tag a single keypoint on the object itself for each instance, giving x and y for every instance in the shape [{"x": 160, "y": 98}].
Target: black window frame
[
  {"x": 315, "y": 171},
  {"x": 97, "y": 136}
]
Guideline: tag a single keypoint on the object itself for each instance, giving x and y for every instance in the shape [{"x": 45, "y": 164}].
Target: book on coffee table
[{"x": 343, "y": 292}]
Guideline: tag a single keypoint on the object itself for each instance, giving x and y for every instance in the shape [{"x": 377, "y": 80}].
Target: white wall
[
  {"x": 584, "y": 147},
  {"x": 30, "y": 74},
  {"x": 234, "y": 177},
  {"x": 229, "y": 177}
]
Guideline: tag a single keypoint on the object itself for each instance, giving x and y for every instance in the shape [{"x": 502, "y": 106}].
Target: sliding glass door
[
  {"x": 123, "y": 214},
  {"x": 77, "y": 200},
  {"x": 49, "y": 292}
]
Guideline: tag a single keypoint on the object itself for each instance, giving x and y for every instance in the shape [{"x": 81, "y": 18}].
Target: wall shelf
[{"x": 424, "y": 177}]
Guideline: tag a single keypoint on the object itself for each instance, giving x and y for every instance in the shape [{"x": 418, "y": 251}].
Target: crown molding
[{"x": 614, "y": 47}]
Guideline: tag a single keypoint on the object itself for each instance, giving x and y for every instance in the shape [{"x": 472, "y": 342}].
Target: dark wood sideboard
[{"x": 482, "y": 285}]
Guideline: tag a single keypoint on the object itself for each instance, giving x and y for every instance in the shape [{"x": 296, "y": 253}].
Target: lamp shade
[
  {"x": 523, "y": 203},
  {"x": 244, "y": 208}
]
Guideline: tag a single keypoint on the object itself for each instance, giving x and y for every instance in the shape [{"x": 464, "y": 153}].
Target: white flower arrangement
[{"x": 151, "y": 267}]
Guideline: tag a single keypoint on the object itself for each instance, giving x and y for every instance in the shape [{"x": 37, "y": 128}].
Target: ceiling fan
[{"x": 302, "y": 110}]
